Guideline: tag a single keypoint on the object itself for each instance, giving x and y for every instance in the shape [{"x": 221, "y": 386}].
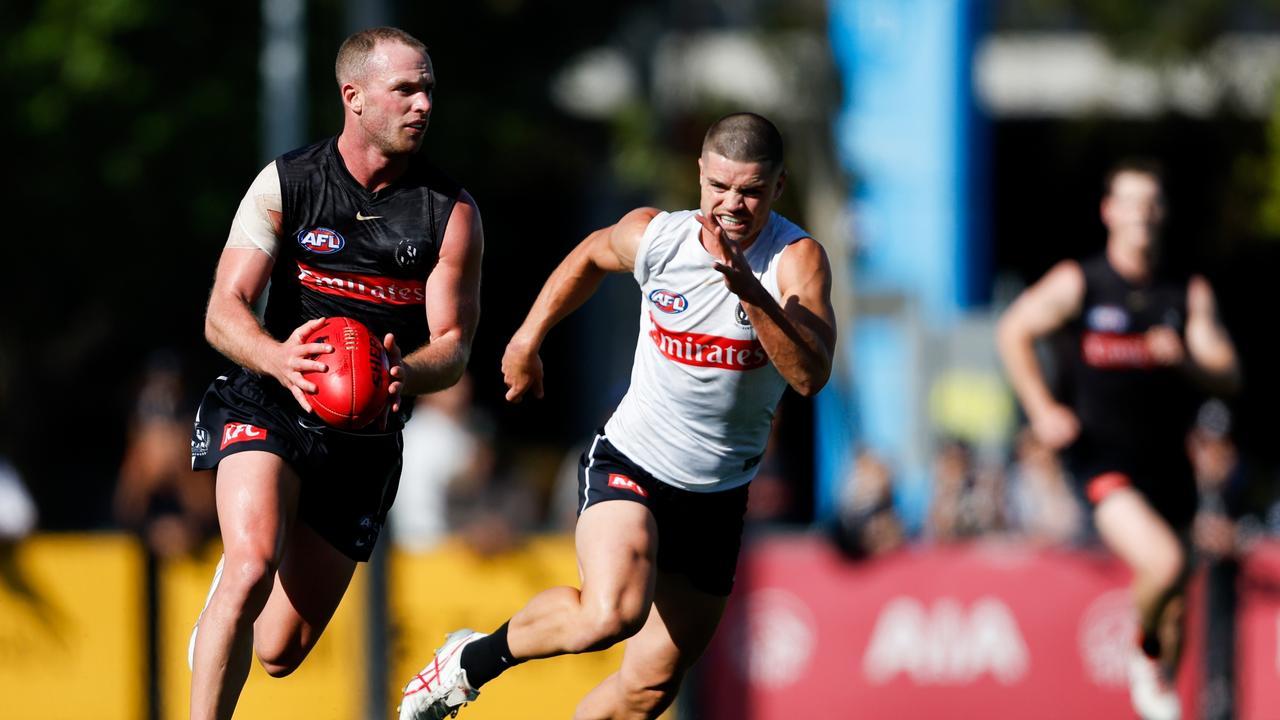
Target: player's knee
[
  {"x": 246, "y": 581},
  {"x": 606, "y": 628},
  {"x": 1174, "y": 575},
  {"x": 600, "y": 631},
  {"x": 1168, "y": 570},
  {"x": 650, "y": 700},
  {"x": 280, "y": 662},
  {"x": 281, "y": 647}
]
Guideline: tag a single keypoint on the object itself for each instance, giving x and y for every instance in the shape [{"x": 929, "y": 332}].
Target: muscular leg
[
  {"x": 257, "y": 497},
  {"x": 617, "y": 544},
  {"x": 680, "y": 625},
  {"x": 1145, "y": 542},
  {"x": 312, "y": 579}
]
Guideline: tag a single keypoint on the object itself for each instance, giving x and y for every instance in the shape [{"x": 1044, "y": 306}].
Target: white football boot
[
  {"x": 440, "y": 689},
  {"x": 1152, "y": 694},
  {"x": 191, "y": 644}
]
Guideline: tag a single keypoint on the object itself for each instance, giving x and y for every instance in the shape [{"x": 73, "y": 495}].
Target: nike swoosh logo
[{"x": 366, "y": 217}]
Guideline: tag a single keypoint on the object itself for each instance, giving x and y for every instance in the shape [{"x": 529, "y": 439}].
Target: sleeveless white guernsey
[{"x": 703, "y": 391}]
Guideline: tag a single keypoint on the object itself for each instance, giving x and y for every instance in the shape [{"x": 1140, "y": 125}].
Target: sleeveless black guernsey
[
  {"x": 345, "y": 251},
  {"x": 1126, "y": 402}
]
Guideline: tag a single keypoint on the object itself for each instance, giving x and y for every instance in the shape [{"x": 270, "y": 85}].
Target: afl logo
[
  {"x": 1107, "y": 318},
  {"x": 669, "y": 301},
  {"x": 320, "y": 240}
]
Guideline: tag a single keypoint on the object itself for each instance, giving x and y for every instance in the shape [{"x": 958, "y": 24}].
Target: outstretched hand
[
  {"x": 297, "y": 357},
  {"x": 731, "y": 262},
  {"x": 521, "y": 370}
]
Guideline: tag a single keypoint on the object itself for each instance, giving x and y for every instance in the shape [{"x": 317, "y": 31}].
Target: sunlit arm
[
  {"x": 799, "y": 335},
  {"x": 1041, "y": 309},
  {"x": 230, "y": 324},
  {"x": 233, "y": 330},
  {"x": 610, "y": 249},
  {"x": 453, "y": 305},
  {"x": 1210, "y": 353}
]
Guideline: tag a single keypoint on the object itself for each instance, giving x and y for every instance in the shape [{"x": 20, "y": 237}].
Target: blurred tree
[
  {"x": 128, "y": 146},
  {"x": 1157, "y": 31},
  {"x": 1264, "y": 173},
  {"x": 132, "y": 135}
]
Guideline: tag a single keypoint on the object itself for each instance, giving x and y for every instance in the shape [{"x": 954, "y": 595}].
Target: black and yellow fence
[{"x": 74, "y": 613}]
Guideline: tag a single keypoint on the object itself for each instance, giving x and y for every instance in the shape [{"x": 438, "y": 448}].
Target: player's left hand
[
  {"x": 731, "y": 263},
  {"x": 1165, "y": 345},
  {"x": 521, "y": 369},
  {"x": 396, "y": 361}
]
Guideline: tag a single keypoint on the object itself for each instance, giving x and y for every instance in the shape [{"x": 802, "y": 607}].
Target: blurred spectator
[
  {"x": 770, "y": 497},
  {"x": 17, "y": 509},
  {"x": 562, "y": 505},
  {"x": 443, "y": 450},
  {"x": 1218, "y": 537},
  {"x": 1220, "y": 482},
  {"x": 866, "y": 524},
  {"x": 451, "y": 484},
  {"x": 158, "y": 495},
  {"x": 1043, "y": 506},
  {"x": 494, "y": 510},
  {"x": 17, "y": 521},
  {"x": 967, "y": 502}
]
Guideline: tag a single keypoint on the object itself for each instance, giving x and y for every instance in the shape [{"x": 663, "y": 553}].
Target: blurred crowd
[{"x": 1031, "y": 498}]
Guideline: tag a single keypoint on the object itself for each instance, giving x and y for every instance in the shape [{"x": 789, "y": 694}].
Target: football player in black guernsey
[
  {"x": 1143, "y": 341},
  {"x": 358, "y": 225}
]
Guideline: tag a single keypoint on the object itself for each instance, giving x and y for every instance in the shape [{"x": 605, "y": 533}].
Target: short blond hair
[{"x": 355, "y": 50}]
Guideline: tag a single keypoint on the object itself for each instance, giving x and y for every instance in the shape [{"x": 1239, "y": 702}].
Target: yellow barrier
[
  {"x": 72, "y": 631},
  {"x": 330, "y": 685},
  {"x": 435, "y": 592}
]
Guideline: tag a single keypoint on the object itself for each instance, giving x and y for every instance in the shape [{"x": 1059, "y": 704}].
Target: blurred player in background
[
  {"x": 159, "y": 495},
  {"x": 1144, "y": 339},
  {"x": 735, "y": 306},
  {"x": 358, "y": 226}
]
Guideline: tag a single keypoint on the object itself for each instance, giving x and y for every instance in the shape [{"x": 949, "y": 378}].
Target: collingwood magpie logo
[
  {"x": 200, "y": 442},
  {"x": 740, "y": 316},
  {"x": 407, "y": 254}
]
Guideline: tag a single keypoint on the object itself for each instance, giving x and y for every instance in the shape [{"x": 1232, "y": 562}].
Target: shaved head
[
  {"x": 353, "y": 56},
  {"x": 745, "y": 137}
]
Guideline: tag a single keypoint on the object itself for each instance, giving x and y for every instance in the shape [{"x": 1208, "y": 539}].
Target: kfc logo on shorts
[
  {"x": 321, "y": 240},
  {"x": 622, "y": 482},
  {"x": 669, "y": 301},
  {"x": 199, "y": 442},
  {"x": 233, "y": 433}
]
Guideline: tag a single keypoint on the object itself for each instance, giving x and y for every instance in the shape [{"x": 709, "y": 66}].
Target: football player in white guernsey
[{"x": 735, "y": 306}]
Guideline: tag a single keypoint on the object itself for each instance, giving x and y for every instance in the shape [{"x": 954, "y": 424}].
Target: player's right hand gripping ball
[{"x": 353, "y": 392}]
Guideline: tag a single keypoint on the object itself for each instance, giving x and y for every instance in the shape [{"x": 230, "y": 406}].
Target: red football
[{"x": 353, "y": 392}]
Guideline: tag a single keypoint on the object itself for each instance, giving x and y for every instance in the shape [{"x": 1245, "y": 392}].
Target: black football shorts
[
  {"x": 349, "y": 480},
  {"x": 699, "y": 534},
  {"x": 1162, "y": 475}
]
